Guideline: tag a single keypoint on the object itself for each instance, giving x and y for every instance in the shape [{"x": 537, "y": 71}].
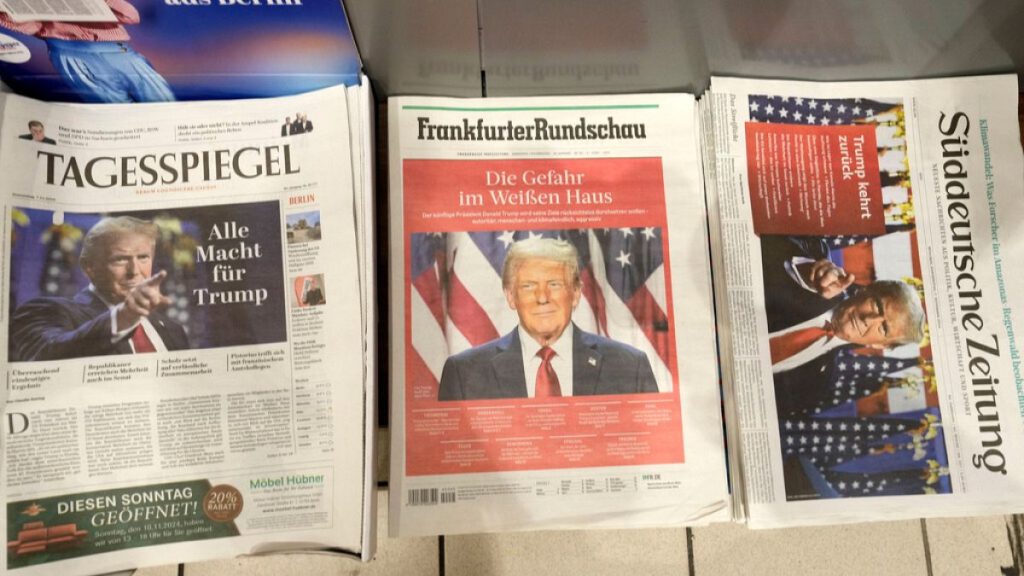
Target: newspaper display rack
[{"x": 186, "y": 378}]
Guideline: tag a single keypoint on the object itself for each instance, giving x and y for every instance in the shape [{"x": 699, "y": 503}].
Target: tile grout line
[
  {"x": 1013, "y": 535},
  {"x": 480, "y": 48},
  {"x": 692, "y": 570},
  {"x": 927, "y": 547},
  {"x": 440, "y": 555}
]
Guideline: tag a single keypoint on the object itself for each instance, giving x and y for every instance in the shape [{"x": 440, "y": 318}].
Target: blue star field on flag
[
  {"x": 630, "y": 256},
  {"x": 814, "y": 111},
  {"x": 850, "y": 457}
]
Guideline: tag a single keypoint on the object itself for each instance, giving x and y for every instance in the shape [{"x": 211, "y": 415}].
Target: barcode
[
  {"x": 423, "y": 496},
  {"x": 430, "y": 497}
]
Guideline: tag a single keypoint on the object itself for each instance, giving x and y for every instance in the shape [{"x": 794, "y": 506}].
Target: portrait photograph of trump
[
  {"x": 119, "y": 312},
  {"x": 87, "y": 284},
  {"x": 542, "y": 314},
  {"x": 855, "y": 387}
]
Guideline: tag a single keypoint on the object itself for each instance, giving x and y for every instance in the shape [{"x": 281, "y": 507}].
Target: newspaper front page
[
  {"x": 183, "y": 375},
  {"x": 553, "y": 351},
  {"x": 871, "y": 311}
]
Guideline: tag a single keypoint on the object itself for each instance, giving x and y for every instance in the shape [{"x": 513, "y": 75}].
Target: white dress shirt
[{"x": 813, "y": 350}]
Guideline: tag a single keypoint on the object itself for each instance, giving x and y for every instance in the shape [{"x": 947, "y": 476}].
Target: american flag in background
[
  {"x": 457, "y": 299},
  {"x": 885, "y": 115},
  {"x": 818, "y": 111}
]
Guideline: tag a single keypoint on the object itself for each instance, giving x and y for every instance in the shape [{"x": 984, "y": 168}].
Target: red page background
[
  {"x": 814, "y": 180},
  {"x": 525, "y": 433}
]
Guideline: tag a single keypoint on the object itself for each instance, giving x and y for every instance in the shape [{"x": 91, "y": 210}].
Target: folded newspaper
[
  {"x": 868, "y": 309},
  {"x": 184, "y": 286},
  {"x": 552, "y": 333}
]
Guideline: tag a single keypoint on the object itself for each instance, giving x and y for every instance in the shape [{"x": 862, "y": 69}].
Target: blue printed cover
[{"x": 208, "y": 50}]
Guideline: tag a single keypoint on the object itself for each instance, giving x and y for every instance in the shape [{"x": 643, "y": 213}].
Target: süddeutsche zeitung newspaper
[{"x": 871, "y": 308}]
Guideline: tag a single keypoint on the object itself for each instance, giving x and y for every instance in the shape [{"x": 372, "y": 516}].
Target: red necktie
[
  {"x": 547, "y": 380},
  {"x": 142, "y": 342},
  {"x": 792, "y": 343}
]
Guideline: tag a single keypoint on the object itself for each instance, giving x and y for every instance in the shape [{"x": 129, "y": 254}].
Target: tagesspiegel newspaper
[
  {"x": 552, "y": 334},
  {"x": 873, "y": 313},
  {"x": 176, "y": 279}
]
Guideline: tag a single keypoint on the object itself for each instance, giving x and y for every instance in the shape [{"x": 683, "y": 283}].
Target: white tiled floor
[
  {"x": 158, "y": 571},
  {"x": 968, "y": 545},
  {"x": 881, "y": 548},
  {"x": 956, "y": 547},
  {"x": 595, "y": 553},
  {"x": 412, "y": 556}
]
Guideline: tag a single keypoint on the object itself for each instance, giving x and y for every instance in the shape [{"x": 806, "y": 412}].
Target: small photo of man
[
  {"x": 300, "y": 124},
  {"x": 303, "y": 227},
  {"x": 37, "y": 132},
  {"x": 309, "y": 291}
]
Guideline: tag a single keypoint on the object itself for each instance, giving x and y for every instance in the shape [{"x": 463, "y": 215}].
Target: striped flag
[
  {"x": 457, "y": 299},
  {"x": 823, "y": 111},
  {"x": 426, "y": 308}
]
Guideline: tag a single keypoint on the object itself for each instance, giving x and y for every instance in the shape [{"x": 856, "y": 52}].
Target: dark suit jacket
[
  {"x": 313, "y": 297},
  {"x": 786, "y": 302},
  {"x": 495, "y": 369},
  {"x": 45, "y": 140},
  {"x": 60, "y": 328},
  {"x": 800, "y": 390}
]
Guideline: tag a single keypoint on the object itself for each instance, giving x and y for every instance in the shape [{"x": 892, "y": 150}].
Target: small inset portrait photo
[
  {"x": 303, "y": 227},
  {"x": 37, "y": 133},
  {"x": 309, "y": 291},
  {"x": 297, "y": 124}
]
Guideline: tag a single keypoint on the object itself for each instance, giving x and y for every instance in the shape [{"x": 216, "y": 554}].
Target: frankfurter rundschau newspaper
[
  {"x": 870, "y": 310},
  {"x": 185, "y": 316},
  {"x": 552, "y": 329}
]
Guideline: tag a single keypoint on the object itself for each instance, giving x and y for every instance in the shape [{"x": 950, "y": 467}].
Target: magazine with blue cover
[{"x": 107, "y": 51}]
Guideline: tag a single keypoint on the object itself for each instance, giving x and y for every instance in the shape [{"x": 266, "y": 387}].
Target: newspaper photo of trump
[
  {"x": 855, "y": 387},
  {"x": 87, "y": 284}
]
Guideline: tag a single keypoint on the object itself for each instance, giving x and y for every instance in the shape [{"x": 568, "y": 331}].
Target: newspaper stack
[
  {"x": 189, "y": 328},
  {"x": 869, "y": 312},
  {"x": 552, "y": 330}
]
